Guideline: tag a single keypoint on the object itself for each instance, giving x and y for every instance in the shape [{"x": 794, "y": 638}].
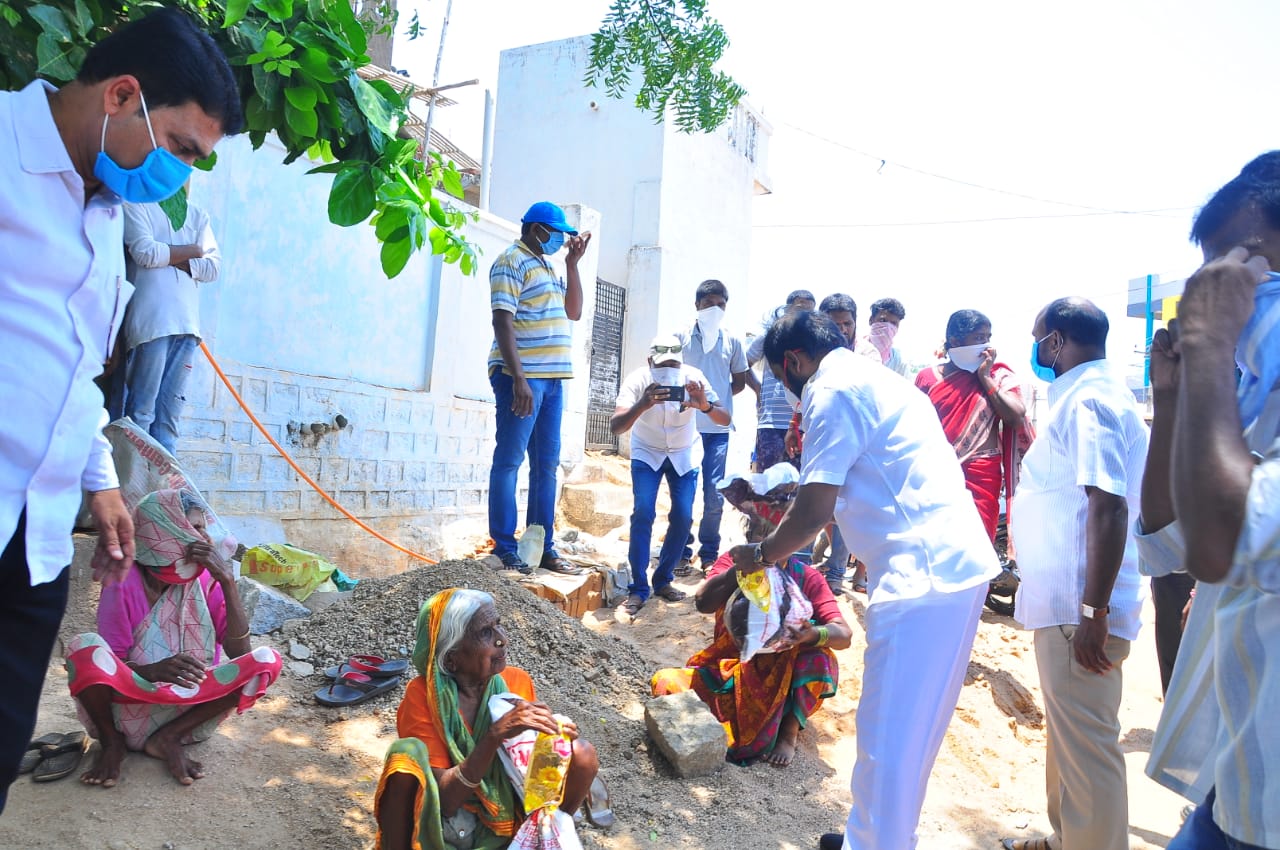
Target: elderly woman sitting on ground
[
  {"x": 443, "y": 785},
  {"x": 154, "y": 677},
  {"x": 764, "y": 674}
]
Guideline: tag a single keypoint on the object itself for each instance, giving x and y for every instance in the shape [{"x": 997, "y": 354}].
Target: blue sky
[{"x": 1130, "y": 106}]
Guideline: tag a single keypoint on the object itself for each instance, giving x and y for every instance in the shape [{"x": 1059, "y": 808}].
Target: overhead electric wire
[{"x": 827, "y": 226}]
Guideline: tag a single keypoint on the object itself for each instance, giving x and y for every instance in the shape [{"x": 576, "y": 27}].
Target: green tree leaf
[
  {"x": 301, "y": 121},
  {"x": 208, "y": 162},
  {"x": 52, "y": 21},
  {"x": 277, "y": 10},
  {"x": 83, "y": 18},
  {"x": 175, "y": 208},
  {"x": 452, "y": 181},
  {"x": 301, "y": 98},
  {"x": 372, "y": 104},
  {"x": 352, "y": 197},
  {"x": 52, "y": 57},
  {"x": 395, "y": 254},
  {"x": 236, "y": 10}
]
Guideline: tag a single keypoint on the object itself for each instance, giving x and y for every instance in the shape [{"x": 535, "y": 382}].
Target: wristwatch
[
  {"x": 757, "y": 554},
  {"x": 1094, "y": 613}
]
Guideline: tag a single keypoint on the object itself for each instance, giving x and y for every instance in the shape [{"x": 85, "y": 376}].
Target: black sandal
[
  {"x": 671, "y": 594},
  {"x": 556, "y": 564}
]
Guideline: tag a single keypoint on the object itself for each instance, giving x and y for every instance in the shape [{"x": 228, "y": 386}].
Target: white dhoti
[{"x": 915, "y": 664}]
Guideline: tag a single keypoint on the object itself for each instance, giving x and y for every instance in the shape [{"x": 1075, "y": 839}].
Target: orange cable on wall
[{"x": 307, "y": 478}]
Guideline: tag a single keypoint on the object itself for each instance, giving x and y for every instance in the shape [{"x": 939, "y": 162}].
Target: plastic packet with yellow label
[
  {"x": 548, "y": 767},
  {"x": 755, "y": 587}
]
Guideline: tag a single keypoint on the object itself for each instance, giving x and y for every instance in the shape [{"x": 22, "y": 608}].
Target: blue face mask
[
  {"x": 1044, "y": 373},
  {"x": 160, "y": 175},
  {"x": 1256, "y": 353},
  {"x": 555, "y": 241}
]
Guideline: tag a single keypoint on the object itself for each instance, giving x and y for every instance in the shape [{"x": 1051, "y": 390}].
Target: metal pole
[
  {"x": 486, "y": 155},
  {"x": 1151, "y": 331},
  {"x": 435, "y": 78}
]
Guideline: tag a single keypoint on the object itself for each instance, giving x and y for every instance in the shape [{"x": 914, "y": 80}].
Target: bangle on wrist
[
  {"x": 824, "y": 636},
  {"x": 241, "y": 637},
  {"x": 463, "y": 778}
]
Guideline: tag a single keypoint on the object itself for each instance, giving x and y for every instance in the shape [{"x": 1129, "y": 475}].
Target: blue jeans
[
  {"x": 644, "y": 484},
  {"x": 537, "y": 435},
  {"x": 1201, "y": 833},
  {"x": 715, "y": 450},
  {"x": 838, "y": 557},
  {"x": 155, "y": 380}
]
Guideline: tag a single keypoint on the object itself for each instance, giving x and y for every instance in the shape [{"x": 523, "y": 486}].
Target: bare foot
[
  {"x": 106, "y": 771},
  {"x": 168, "y": 750},
  {"x": 784, "y": 748}
]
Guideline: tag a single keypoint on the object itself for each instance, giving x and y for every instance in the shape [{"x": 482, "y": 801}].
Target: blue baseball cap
[{"x": 545, "y": 212}]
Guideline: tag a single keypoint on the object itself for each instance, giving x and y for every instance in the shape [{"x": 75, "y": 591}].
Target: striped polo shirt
[{"x": 525, "y": 284}]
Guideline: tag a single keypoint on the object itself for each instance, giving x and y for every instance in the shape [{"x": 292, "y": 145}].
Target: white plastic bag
[
  {"x": 544, "y": 829},
  {"x": 755, "y": 629}
]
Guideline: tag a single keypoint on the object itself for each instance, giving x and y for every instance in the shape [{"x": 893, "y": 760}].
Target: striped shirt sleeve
[
  {"x": 1098, "y": 445},
  {"x": 1161, "y": 552},
  {"x": 505, "y": 283},
  {"x": 1257, "y": 557}
]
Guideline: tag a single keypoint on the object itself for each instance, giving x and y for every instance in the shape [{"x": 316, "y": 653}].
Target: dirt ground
[{"x": 290, "y": 773}]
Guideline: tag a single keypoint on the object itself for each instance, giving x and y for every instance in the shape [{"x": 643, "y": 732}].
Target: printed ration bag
[
  {"x": 143, "y": 467},
  {"x": 288, "y": 569},
  {"x": 547, "y": 827}
]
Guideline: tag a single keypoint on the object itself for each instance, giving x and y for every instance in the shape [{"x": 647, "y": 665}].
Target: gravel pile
[{"x": 596, "y": 680}]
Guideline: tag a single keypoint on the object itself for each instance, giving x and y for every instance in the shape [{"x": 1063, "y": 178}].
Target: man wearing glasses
[{"x": 658, "y": 403}]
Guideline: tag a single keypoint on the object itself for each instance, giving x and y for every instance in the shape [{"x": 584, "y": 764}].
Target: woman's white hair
[{"x": 458, "y": 611}]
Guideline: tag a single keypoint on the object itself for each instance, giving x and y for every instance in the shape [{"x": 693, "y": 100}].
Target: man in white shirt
[
  {"x": 1216, "y": 742},
  {"x": 162, "y": 326},
  {"x": 658, "y": 404},
  {"x": 149, "y": 100},
  {"x": 722, "y": 359},
  {"x": 875, "y": 456},
  {"x": 886, "y": 317},
  {"x": 1081, "y": 592}
]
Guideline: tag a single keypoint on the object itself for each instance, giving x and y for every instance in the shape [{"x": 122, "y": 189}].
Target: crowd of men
[{"x": 1197, "y": 495}]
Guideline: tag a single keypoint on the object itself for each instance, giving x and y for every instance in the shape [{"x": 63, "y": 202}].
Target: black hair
[
  {"x": 964, "y": 322},
  {"x": 892, "y": 305},
  {"x": 1078, "y": 320},
  {"x": 839, "y": 303},
  {"x": 798, "y": 294},
  {"x": 710, "y": 287},
  {"x": 1257, "y": 183},
  {"x": 807, "y": 330},
  {"x": 175, "y": 62}
]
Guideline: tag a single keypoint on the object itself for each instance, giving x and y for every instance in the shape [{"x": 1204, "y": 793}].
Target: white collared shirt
[
  {"x": 167, "y": 300},
  {"x": 664, "y": 431},
  {"x": 903, "y": 505},
  {"x": 1094, "y": 437},
  {"x": 62, "y": 298}
]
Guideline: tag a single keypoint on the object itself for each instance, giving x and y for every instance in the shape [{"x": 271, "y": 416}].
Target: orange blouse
[{"x": 413, "y": 720}]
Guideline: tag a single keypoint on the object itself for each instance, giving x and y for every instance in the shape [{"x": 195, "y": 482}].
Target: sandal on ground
[
  {"x": 556, "y": 564},
  {"x": 632, "y": 605},
  {"x": 371, "y": 665},
  {"x": 683, "y": 569},
  {"x": 860, "y": 587},
  {"x": 598, "y": 808},
  {"x": 671, "y": 594},
  {"x": 352, "y": 688},
  {"x": 30, "y": 759},
  {"x": 55, "y": 743},
  {"x": 831, "y": 841},
  {"x": 515, "y": 562},
  {"x": 59, "y": 765},
  {"x": 1025, "y": 844}
]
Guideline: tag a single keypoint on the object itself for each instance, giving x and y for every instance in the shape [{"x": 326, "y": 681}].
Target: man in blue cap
[{"x": 528, "y": 364}]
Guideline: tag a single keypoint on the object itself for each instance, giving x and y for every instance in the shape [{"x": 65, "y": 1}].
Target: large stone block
[
  {"x": 595, "y": 507},
  {"x": 266, "y": 607},
  {"x": 687, "y": 733}
]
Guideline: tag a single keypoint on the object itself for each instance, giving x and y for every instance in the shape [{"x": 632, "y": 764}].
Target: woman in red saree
[{"x": 980, "y": 404}]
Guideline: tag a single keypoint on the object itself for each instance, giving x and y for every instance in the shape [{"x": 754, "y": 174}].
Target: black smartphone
[{"x": 675, "y": 393}]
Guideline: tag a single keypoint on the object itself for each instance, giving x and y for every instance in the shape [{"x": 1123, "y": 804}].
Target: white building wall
[
  {"x": 556, "y": 140},
  {"x": 307, "y": 326}
]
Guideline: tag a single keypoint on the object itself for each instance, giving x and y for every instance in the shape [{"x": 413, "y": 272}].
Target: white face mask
[
  {"x": 709, "y": 319},
  {"x": 967, "y": 357},
  {"x": 666, "y": 376}
]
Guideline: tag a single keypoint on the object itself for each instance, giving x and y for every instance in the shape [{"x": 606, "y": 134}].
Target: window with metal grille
[{"x": 606, "y": 364}]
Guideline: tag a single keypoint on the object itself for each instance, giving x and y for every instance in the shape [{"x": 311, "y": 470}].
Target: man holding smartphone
[{"x": 659, "y": 403}]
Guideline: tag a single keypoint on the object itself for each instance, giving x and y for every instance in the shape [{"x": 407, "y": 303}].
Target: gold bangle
[
  {"x": 241, "y": 637},
  {"x": 463, "y": 779}
]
